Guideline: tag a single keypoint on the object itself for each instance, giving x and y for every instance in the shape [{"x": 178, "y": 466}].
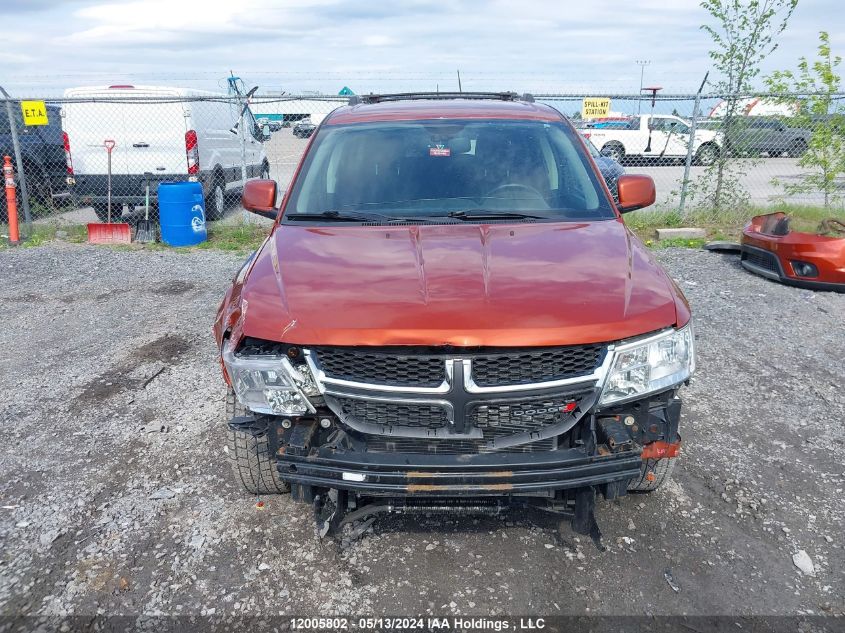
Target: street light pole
[{"x": 642, "y": 63}]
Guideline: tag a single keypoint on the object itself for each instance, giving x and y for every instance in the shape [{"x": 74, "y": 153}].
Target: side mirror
[
  {"x": 259, "y": 197},
  {"x": 265, "y": 132},
  {"x": 635, "y": 192}
]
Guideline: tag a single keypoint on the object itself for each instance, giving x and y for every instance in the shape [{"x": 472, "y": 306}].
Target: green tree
[
  {"x": 821, "y": 112},
  {"x": 744, "y": 33}
]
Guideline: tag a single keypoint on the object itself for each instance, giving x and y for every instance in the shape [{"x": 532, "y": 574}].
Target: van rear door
[
  {"x": 154, "y": 133},
  {"x": 149, "y": 133}
]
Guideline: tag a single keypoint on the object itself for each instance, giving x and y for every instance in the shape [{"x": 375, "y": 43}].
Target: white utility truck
[{"x": 652, "y": 136}]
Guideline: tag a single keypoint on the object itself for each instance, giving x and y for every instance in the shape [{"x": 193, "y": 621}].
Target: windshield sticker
[{"x": 439, "y": 151}]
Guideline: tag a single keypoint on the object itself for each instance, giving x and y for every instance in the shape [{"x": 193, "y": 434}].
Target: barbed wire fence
[{"x": 772, "y": 154}]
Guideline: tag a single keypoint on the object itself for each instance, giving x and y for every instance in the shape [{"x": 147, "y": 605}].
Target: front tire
[
  {"x": 797, "y": 149},
  {"x": 707, "y": 154},
  {"x": 614, "y": 151},
  {"x": 653, "y": 474},
  {"x": 252, "y": 464}
]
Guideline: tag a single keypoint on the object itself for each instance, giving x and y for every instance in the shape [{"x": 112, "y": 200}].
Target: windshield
[{"x": 431, "y": 168}]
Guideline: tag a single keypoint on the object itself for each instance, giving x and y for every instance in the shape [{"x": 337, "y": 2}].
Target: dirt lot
[{"x": 115, "y": 497}]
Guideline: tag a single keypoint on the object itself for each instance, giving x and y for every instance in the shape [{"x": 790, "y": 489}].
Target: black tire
[
  {"x": 215, "y": 203},
  {"x": 265, "y": 171},
  {"x": 660, "y": 468},
  {"x": 797, "y": 149},
  {"x": 250, "y": 457},
  {"x": 102, "y": 211},
  {"x": 614, "y": 151},
  {"x": 40, "y": 192},
  {"x": 707, "y": 154}
]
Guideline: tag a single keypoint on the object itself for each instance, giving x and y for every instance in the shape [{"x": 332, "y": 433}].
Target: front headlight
[
  {"x": 270, "y": 384},
  {"x": 651, "y": 365}
]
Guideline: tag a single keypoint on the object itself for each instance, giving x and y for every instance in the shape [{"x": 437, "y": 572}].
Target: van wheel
[
  {"x": 252, "y": 464},
  {"x": 265, "y": 171},
  {"x": 102, "y": 211},
  {"x": 215, "y": 205},
  {"x": 653, "y": 474}
]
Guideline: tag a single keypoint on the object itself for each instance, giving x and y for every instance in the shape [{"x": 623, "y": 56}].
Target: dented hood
[{"x": 529, "y": 284}]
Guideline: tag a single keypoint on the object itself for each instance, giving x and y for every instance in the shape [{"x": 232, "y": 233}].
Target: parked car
[
  {"x": 304, "y": 128},
  {"x": 449, "y": 306},
  {"x": 653, "y": 136},
  {"x": 275, "y": 125},
  {"x": 172, "y": 133},
  {"x": 755, "y": 135},
  {"x": 609, "y": 168},
  {"x": 43, "y": 157}
]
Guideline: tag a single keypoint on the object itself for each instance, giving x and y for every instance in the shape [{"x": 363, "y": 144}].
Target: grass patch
[
  {"x": 725, "y": 225},
  {"x": 230, "y": 238},
  {"x": 677, "y": 242},
  {"x": 236, "y": 238}
]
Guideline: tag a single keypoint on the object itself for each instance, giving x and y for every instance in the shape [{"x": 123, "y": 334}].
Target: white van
[{"x": 171, "y": 133}]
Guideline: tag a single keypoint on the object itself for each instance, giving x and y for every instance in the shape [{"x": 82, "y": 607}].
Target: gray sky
[{"x": 296, "y": 45}]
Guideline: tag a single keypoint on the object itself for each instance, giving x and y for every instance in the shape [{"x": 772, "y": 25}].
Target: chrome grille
[
  {"x": 395, "y": 369},
  {"x": 529, "y": 366},
  {"x": 426, "y": 367}
]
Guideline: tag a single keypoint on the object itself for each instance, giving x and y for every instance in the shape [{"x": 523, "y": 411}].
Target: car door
[
  {"x": 678, "y": 137},
  {"x": 660, "y": 137},
  {"x": 763, "y": 136}
]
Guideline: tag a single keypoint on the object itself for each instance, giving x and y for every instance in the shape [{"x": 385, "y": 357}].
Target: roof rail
[{"x": 409, "y": 96}]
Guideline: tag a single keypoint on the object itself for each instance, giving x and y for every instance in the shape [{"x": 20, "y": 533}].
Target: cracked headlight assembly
[
  {"x": 651, "y": 365},
  {"x": 270, "y": 384}
]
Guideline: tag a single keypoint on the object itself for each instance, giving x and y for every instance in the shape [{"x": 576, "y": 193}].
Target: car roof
[{"x": 427, "y": 109}]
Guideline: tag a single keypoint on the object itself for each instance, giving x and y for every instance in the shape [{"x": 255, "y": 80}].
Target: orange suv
[{"x": 450, "y": 313}]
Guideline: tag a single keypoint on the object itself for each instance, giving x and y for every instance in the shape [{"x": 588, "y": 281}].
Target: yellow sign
[
  {"x": 34, "y": 113},
  {"x": 594, "y": 107}
]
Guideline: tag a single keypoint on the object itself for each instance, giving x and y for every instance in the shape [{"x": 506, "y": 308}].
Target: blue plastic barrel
[{"x": 181, "y": 213}]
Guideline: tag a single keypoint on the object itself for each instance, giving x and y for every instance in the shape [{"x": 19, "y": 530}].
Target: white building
[
  {"x": 294, "y": 109},
  {"x": 754, "y": 106}
]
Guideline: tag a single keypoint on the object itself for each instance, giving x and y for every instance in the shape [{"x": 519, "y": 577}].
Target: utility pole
[
  {"x": 460, "y": 89},
  {"x": 691, "y": 145},
  {"x": 642, "y": 63}
]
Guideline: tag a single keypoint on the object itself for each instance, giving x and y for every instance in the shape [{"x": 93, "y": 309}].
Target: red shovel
[{"x": 108, "y": 233}]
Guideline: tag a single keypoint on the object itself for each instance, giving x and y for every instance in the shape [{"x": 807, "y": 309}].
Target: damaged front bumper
[
  {"x": 496, "y": 474},
  {"x": 603, "y": 450}
]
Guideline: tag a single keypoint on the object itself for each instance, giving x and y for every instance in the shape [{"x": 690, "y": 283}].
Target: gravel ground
[{"x": 115, "y": 497}]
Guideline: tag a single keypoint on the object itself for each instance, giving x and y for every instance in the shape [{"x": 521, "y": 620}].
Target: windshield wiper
[
  {"x": 343, "y": 216},
  {"x": 463, "y": 215},
  {"x": 484, "y": 214}
]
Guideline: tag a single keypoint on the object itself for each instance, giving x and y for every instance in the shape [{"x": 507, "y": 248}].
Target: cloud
[
  {"x": 323, "y": 44},
  {"x": 378, "y": 40}
]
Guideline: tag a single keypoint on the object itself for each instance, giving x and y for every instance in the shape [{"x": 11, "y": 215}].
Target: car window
[
  {"x": 436, "y": 167},
  {"x": 678, "y": 127}
]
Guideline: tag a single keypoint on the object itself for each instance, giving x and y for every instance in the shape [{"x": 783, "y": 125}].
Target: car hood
[{"x": 529, "y": 284}]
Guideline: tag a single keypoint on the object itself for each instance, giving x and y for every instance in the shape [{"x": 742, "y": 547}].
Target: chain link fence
[{"x": 716, "y": 157}]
